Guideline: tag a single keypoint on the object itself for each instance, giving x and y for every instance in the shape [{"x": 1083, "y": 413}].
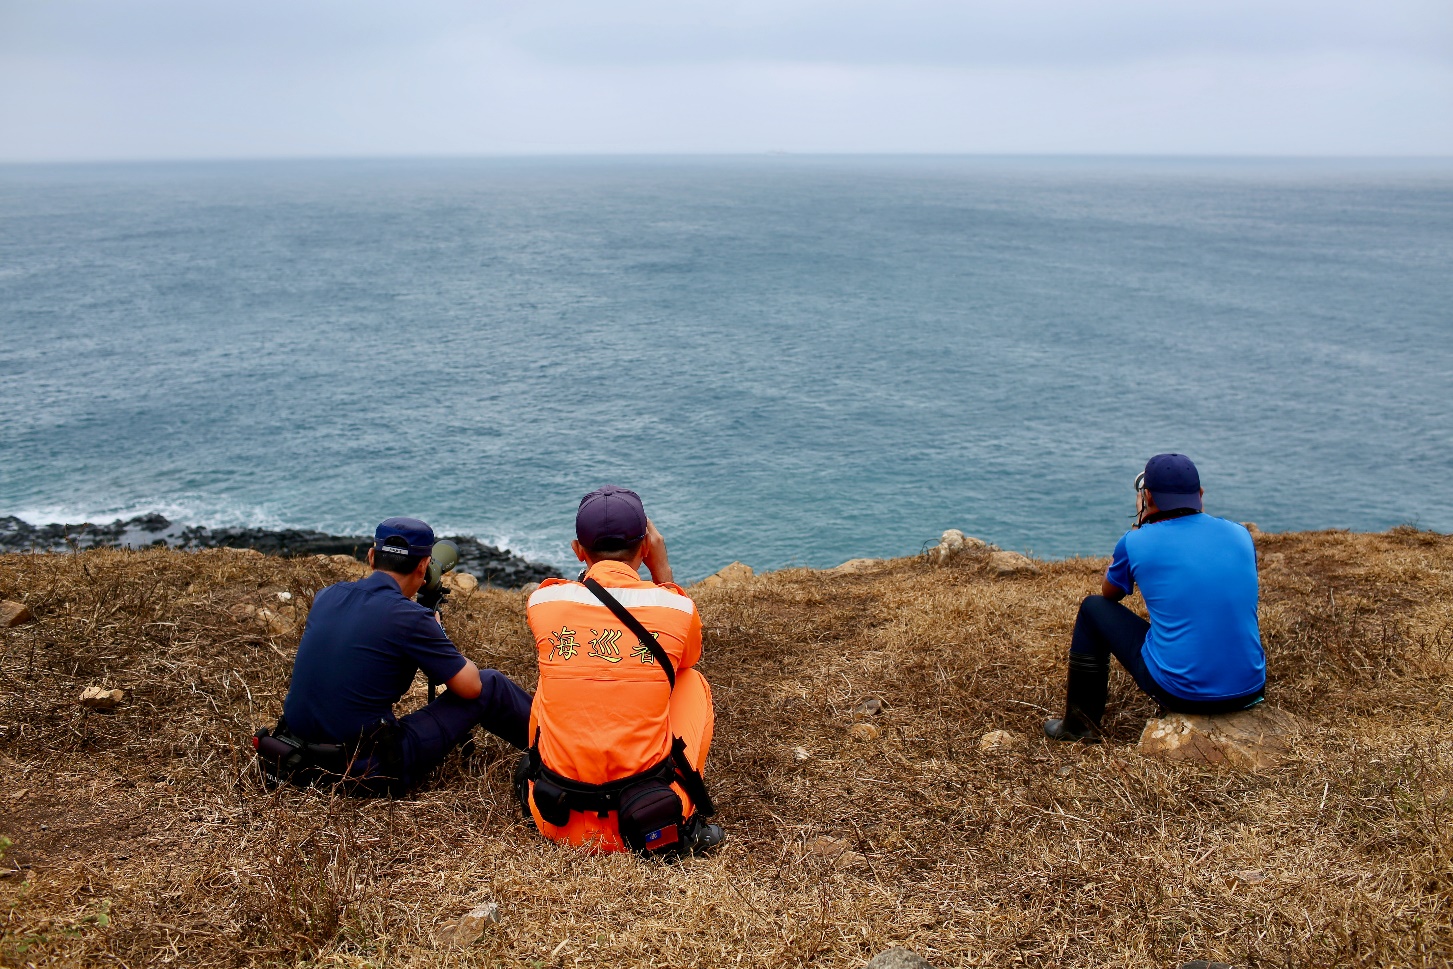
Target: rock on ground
[
  {"x": 856, "y": 565},
  {"x": 461, "y": 582},
  {"x": 278, "y": 622},
  {"x": 13, "y": 613},
  {"x": 999, "y": 740},
  {"x": 864, "y": 731},
  {"x": 951, "y": 543},
  {"x": 835, "y": 851},
  {"x": 1011, "y": 563},
  {"x": 1255, "y": 738},
  {"x": 96, "y": 698},
  {"x": 870, "y": 707},
  {"x": 898, "y": 958},
  {"x": 735, "y": 574},
  {"x": 472, "y": 925}
]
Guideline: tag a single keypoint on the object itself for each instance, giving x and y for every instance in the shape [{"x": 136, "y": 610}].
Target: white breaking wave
[{"x": 205, "y": 510}]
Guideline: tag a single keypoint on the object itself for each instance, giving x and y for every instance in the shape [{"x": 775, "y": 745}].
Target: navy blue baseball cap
[
  {"x": 403, "y": 536},
  {"x": 610, "y": 518},
  {"x": 1173, "y": 482}
]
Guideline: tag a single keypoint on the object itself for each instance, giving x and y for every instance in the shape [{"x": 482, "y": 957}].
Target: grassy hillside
[{"x": 141, "y": 837}]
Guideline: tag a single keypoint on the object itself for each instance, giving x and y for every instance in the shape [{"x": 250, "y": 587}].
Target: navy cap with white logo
[
  {"x": 403, "y": 536},
  {"x": 1173, "y": 482}
]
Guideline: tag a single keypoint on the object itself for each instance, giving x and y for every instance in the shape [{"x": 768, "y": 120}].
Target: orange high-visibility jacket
[{"x": 601, "y": 706}]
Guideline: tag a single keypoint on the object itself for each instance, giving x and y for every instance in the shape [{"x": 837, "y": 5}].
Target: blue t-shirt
[
  {"x": 360, "y": 650},
  {"x": 1197, "y": 575}
]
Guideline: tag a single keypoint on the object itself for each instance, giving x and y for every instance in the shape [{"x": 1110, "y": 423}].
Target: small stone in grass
[
  {"x": 870, "y": 707},
  {"x": 996, "y": 740},
  {"x": 864, "y": 731},
  {"x": 13, "y": 613},
  {"x": 836, "y": 851},
  {"x": 898, "y": 958},
  {"x": 800, "y": 755},
  {"x": 95, "y": 698},
  {"x": 1250, "y": 876},
  {"x": 461, "y": 582},
  {"x": 472, "y": 925}
]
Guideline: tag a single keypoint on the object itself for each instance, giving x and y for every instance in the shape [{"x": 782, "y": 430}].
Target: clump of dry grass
[{"x": 143, "y": 837}]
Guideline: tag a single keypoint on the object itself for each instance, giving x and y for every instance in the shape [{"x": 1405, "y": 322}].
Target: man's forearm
[{"x": 1112, "y": 591}]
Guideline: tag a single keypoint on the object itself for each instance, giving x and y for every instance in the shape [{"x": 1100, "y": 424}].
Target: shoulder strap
[{"x": 634, "y": 625}]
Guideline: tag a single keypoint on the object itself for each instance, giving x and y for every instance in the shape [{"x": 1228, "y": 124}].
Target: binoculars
[{"x": 442, "y": 560}]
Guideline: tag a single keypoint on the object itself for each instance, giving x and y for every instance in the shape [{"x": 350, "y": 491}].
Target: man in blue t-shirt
[
  {"x": 1201, "y": 651},
  {"x": 362, "y": 645}
]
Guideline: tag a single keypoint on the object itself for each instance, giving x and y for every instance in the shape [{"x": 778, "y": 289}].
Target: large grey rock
[
  {"x": 1260, "y": 737},
  {"x": 898, "y": 958}
]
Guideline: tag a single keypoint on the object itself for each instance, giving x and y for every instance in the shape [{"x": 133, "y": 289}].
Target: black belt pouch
[
  {"x": 550, "y": 802},
  {"x": 650, "y": 817}
]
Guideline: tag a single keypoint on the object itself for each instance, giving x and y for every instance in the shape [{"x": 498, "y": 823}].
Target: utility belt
[
  {"x": 648, "y": 810},
  {"x": 370, "y": 764}
]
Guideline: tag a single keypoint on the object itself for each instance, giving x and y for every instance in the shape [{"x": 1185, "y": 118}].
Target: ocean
[{"x": 795, "y": 360}]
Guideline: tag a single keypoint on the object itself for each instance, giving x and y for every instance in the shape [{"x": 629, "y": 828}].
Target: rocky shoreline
[{"x": 492, "y": 566}]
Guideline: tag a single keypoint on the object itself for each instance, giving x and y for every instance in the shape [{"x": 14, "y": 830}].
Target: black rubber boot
[
  {"x": 522, "y": 787},
  {"x": 1089, "y": 681},
  {"x": 699, "y": 837}
]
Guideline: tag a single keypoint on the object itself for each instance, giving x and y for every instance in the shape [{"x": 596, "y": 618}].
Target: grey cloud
[
  {"x": 1000, "y": 33},
  {"x": 644, "y": 32}
]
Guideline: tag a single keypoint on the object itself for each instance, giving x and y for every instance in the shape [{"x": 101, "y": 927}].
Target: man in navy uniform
[
  {"x": 361, "y": 647},
  {"x": 1201, "y": 651}
]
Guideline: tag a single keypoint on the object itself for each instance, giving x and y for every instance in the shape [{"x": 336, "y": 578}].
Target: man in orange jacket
[{"x": 621, "y": 721}]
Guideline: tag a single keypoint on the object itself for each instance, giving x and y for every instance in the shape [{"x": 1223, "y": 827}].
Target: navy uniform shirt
[{"x": 361, "y": 647}]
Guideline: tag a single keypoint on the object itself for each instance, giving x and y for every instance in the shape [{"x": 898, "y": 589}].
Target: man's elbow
[{"x": 466, "y": 683}]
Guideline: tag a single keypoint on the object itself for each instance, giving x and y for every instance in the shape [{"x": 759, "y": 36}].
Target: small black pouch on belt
[
  {"x": 551, "y": 802},
  {"x": 650, "y": 817}
]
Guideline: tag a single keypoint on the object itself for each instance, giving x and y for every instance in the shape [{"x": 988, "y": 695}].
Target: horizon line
[{"x": 754, "y": 154}]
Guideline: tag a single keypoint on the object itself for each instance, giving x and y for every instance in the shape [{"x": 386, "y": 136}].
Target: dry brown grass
[{"x": 143, "y": 838}]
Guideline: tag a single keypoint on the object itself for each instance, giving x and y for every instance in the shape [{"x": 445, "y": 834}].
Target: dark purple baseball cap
[
  {"x": 1173, "y": 482},
  {"x": 403, "y": 536},
  {"x": 610, "y": 518}
]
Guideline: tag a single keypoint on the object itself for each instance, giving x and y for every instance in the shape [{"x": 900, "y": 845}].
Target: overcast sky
[{"x": 127, "y": 79}]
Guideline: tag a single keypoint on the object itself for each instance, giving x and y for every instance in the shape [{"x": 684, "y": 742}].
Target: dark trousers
[
  {"x": 426, "y": 736},
  {"x": 1104, "y": 628}
]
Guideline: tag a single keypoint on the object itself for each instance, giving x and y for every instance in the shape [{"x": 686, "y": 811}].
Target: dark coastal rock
[{"x": 492, "y": 566}]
